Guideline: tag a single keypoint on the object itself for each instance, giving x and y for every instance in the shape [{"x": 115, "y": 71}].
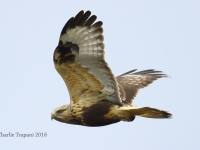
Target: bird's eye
[{"x": 60, "y": 111}]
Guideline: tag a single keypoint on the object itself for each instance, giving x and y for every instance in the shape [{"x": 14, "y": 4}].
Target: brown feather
[
  {"x": 98, "y": 114},
  {"x": 132, "y": 81},
  {"x": 79, "y": 59}
]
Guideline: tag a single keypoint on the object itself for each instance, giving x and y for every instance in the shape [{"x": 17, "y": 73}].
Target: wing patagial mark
[{"x": 64, "y": 52}]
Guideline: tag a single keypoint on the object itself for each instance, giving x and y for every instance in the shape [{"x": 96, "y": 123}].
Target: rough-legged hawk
[{"x": 97, "y": 98}]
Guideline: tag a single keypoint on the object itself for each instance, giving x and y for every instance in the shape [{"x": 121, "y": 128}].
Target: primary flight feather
[{"x": 97, "y": 98}]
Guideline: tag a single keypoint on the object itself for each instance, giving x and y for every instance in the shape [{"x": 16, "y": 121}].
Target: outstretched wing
[
  {"x": 130, "y": 82},
  {"x": 79, "y": 59}
]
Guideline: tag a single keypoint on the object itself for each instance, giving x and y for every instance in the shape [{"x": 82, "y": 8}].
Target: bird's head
[{"x": 60, "y": 113}]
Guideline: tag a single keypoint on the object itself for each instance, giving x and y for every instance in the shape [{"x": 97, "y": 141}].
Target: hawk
[{"x": 97, "y": 98}]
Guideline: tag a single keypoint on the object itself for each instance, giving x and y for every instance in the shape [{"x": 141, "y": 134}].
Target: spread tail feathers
[{"x": 146, "y": 112}]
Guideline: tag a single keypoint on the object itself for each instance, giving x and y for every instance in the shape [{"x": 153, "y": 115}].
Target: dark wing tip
[
  {"x": 97, "y": 24},
  {"x": 126, "y": 73},
  {"x": 67, "y": 26},
  {"x": 90, "y": 21},
  {"x": 81, "y": 19},
  {"x": 150, "y": 72}
]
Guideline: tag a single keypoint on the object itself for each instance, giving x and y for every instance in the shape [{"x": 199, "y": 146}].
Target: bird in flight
[{"x": 97, "y": 98}]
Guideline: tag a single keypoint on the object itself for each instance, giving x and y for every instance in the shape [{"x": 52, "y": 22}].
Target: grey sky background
[{"x": 149, "y": 34}]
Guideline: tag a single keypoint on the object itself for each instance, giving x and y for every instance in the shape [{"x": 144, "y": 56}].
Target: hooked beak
[{"x": 52, "y": 116}]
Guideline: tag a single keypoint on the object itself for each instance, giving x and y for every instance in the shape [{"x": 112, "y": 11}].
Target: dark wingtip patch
[
  {"x": 97, "y": 24},
  {"x": 81, "y": 19},
  {"x": 67, "y": 26},
  {"x": 84, "y": 18},
  {"x": 77, "y": 19},
  {"x": 126, "y": 73},
  {"x": 149, "y": 72},
  {"x": 64, "y": 52},
  {"x": 90, "y": 21}
]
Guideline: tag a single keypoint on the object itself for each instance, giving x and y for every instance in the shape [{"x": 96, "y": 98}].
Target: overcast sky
[{"x": 148, "y": 34}]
